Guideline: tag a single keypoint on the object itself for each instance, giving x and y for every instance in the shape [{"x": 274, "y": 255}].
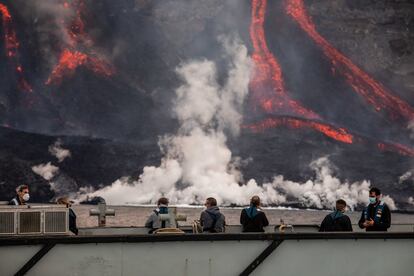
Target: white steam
[
  {"x": 60, "y": 153},
  {"x": 197, "y": 162},
  {"x": 47, "y": 171}
]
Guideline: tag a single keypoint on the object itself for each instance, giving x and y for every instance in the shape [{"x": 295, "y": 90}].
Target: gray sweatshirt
[
  {"x": 212, "y": 220},
  {"x": 153, "y": 222}
]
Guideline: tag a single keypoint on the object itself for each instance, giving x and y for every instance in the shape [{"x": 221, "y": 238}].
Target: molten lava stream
[
  {"x": 267, "y": 84},
  {"x": 69, "y": 61},
  {"x": 338, "y": 134},
  {"x": 11, "y": 45},
  {"x": 371, "y": 90}
]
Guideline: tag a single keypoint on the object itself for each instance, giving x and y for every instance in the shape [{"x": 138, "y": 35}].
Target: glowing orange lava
[
  {"x": 12, "y": 46},
  {"x": 338, "y": 134},
  {"x": 69, "y": 61},
  {"x": 71, "y": 58},
  {"x": 267, "y": 84},
  {"x": 371, "y": 90}
]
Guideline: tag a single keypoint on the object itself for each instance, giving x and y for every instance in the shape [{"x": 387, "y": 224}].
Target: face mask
[
  {"x": 372, "y": 199},
  {"x": 26, "y": 197}
]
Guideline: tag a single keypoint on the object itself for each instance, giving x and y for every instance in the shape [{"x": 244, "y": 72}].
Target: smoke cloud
[
  {"x": 47, "y": 171},
  {"x": 197, "y": 162},
  {"x": 60, "y": 153}
]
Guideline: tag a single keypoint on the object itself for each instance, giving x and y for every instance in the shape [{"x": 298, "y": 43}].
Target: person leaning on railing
[
  {"x": 211, "y": 219},
  {"x": 337, "y": 220},
  {"x": 22, "y": 195},
  {"x": 72, "y": 215},
  {"x": 253, "y": 219},
  {"x": 154, "y": 221}
]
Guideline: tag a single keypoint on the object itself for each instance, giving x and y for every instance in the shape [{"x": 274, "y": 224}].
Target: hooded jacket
[
  {"x": 336, "y": 221},
  {"x": 253, "y": 219},
  {"x": 153, "y": 222},
  {"x": 212, "y": 220}
]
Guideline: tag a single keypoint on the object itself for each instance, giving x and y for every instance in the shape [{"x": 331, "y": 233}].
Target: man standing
[
  {"x": 337, "y": 220},
  {"x": 253, "y": 219},
  {"x": 376, "y": 216},
  {"x": 22, "y": 195},
  {"x": 211, "y": 219}
]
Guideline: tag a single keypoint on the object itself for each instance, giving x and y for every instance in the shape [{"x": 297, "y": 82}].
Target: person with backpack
[
  {"x": 211, "y": 220},
  {"x": 376, "y": 216},
  {"x": 154, "y": 222},
  {"x": 253, "y": 219},
  {"x": 337, "y": 221}
]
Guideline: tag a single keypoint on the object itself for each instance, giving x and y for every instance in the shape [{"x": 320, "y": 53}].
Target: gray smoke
[{"x": 197, "y": 162}]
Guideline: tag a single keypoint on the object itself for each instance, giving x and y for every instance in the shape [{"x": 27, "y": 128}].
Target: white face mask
[{"x": 26, "y": 197}]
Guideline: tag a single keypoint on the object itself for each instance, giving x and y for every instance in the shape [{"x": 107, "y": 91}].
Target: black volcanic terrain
[{"x": 110, "y": 98}]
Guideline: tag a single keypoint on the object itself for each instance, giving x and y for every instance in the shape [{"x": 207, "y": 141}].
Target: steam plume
[
  {"x": 60, "y": 153},
  {"x": 47, "y": 171},
  {"x": 197, "y": 162}
]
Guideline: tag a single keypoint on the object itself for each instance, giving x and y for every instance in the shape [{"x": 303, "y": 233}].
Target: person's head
[
  {"x": 341, "y": 205},
  {"x": 65, "y": 201},
  {"x": 210, "y": 202},
  {"x": 23, "y": 192},
  {"x": 255, "y": 201},
  {"x": 374, "y": 195},
  {"x": 162, "y": 201}
]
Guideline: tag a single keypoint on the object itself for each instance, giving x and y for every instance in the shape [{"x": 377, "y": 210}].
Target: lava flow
[
  {"x": 11, "y": 45},
  {"x": 339, "y": 134},
  {"x": 371, "y": 90},
  {"x": 71, "y": 58},
  {"x": 267, "y": 84}
]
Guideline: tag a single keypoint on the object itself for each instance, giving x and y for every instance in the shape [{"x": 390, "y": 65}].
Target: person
[
  {"x": 337, "y": 220},
  {"x": 72, "y": 215},
  {"x": 376, "y": 216},
  {"x": 253, "y": 219},
  {"x": 22, "y": 195},
  {"x": 211, "y": 220},
  {"x": 154, "y": 222}
]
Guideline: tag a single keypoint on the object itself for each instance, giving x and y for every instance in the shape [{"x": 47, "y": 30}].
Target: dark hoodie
[
  {"x": 336, "y": 221},
  {"x": 212, "y": 220},
  {"x": 253, "y": 220}
]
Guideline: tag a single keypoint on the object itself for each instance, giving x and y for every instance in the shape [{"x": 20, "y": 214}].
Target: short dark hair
[
  {"x": 340, "y": 204},
  {"x": 255, "y": 200},
  {"x": 163, "y": 201},
  {"x": 20, "y": 188},
  {"x": 212, "y": 201},
  {"x": 375, "y": 190}
]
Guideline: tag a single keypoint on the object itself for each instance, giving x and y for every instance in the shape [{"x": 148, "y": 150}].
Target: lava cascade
[
  {"x": 269, "y": 90},
  {"x": 11, "y": 45},
  {"x": 71, "y": 58},
  {"x": 339, "y": 134},
  {"x": 267, "y": 84},
  {"x": 366, "y": 86}
]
